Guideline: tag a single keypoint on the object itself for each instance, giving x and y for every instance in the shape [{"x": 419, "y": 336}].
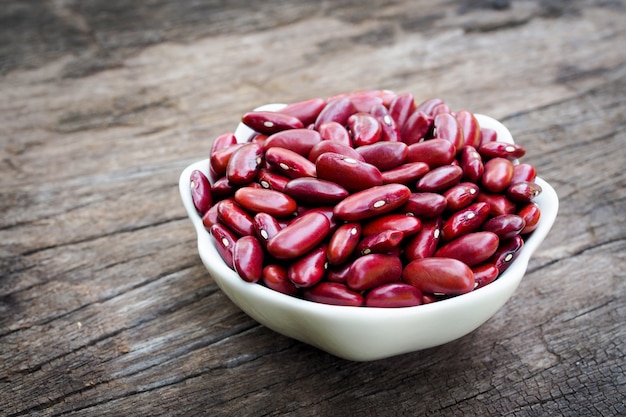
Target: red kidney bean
[
  {"x": 265, "y": 227},
  {"x": 389, "y": 130},
  {"x": 505, "y": 226},
  {"x": 306, "y": 111},
  {"x": 269, "y": 122},
  {"x": 425, "y": 205},
  {"x": 258, "y": 200},
  {"x": 235, "y": 218},
  {"x": 219, "y": 159},
  {"x": 523, "y": 173},
  {"x": 336, "y": 110},
  {"x": 363, "y": 101},
  {"x": 258, "y": 138},
  {"x": 350, "y": 173},
  {"x": 394, "y": 295},
  {"x": 497, "y": 175},
  {"x": 472, "y": 164},
  {"x": 439, "y": 276},
  {"x": 335, "y": 132},
  {"x": 470, "y": 127},
  {"x": 244, "y": 164},
  {"x": 333, "y": 293},
  {"x": 405, "y": 174},
  {"x": 531, "y": 214},
  {"x": 401, "y": 107},
  {"x": 418, "y": 127},
  {"x": 290, "y": 163},
  {"x": 210, "y": 217},
  {"x": 224, "y": 242},
  {"x": 434, "y": 152},
  {"x": 523, "y": 192},
  {"x": 471, "y": 248},
  {"x": 372, "y": 202},
  {"x": 272, "y": 180},
  {"x": 506, "y": 253},
  {"x": 384, "y": 242},
  {"x": 384, "y": 155},
  {"x": 300, "y": 141},
  {"x": 428, "y": 105},
  {"x": 299, "y": 236},
  {"x": 326, "y": 211},
  {"x": 408, "y": 225},
  {"x": 487, "y": 135},
  {"x": 343, "y": 243},
  {"x": 275, "y": 277},
  {"x": 200, "y": 191},
  {"x": 309, "y": 269},
  {"x": 497, "y": 149},
  {"x": 440, "y": 179},
  {"x": 425, "y": 242},
  {"x": 498, "y": 203},
  {"x": 484, "y": 274},
  {"x": 373, "y": 270},
  {"x": 460, "y": 195},
  {"x": 334, "y": 147},
  {"x": 448, "y": 127},
  {"x": 364, "y": 129},
  {"x": 248, "y": 257},
  {"x": 310, "y": 190},
  {"x": 338, "y": 273},
  {"x": 223, "y": 141},
  {"x": 465, "y": 221},
  {"x": 439, "y": 109},
  {"x": 222, "y": 189}
]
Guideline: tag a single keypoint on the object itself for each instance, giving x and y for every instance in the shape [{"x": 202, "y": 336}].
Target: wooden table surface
[{"x": 105, "y": 306}]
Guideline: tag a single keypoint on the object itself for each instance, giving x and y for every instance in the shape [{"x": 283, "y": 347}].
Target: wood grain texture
[{"x": 105, "y": 307}]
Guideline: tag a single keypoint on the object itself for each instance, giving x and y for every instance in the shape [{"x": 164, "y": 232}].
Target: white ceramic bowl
[{"x": 366, "y": 333}]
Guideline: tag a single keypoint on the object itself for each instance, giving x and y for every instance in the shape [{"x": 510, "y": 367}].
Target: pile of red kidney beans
[{"x": 367, "y": 199}]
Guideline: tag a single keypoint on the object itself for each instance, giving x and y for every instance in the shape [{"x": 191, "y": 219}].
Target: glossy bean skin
[
  {"x": 200, "y": 191},
  {"x": 234, "y": 217},
  {"x": 408, "y": 225},
  {"x": 290, "y": 163},
  {"x": 222, "y": 189},
  {"x": 309, "y": 190},
  {"x": 531, "y": 213},
  {"x": 373, "y": 270},
  {"x": 505, "y": 226},
  {"x": 326, "y": 211},
  {"x": 470, "y": 127},
  {"x": 248, "y": 257},
  {"x": 351, "y": 174},
  {"x": 524, "y": 173},
  {"x": 394, "y": 295},
  {"x": 210, "y": 217},
  {"x": 439, "y": 109},
  {"x": 523, "y": 192},
  {"x": 484, "y": 274},
  {"x": 334, "y": 147},
  {"x": 338, "y": 273},
  {"x": 418, "y": 127},
  {"x": 401, "y": 107},
  {"x": 222, "y": 141},
  {"x": 384, "y": 155},
  {"x": 275, "y": 277},
  {"x": 265, "y": 227},
  {"x": 498, "y": 149},
  {"x": 335, "y": 132},
  {"x": 428, "y": 105},
  {"x": 389, "y": 129},
  {"x": 434, "y": 152},
  {"x": 299, "y": 236},
  {"x": 364, "y": 129},
  {"x": 309, "y": 269},
  {"x": 306, "y": 110},
  {"x": 244, "y": 164},
  {"x": 272, "y": 180},
  {"x": 471, "y": 248},
  {"x": 336, "y": 110},
  {"x": 333, "y": 293},
  {"x": 224, "y": 242},
  {"x": 487, "y": 135},
  {"x": 472, "y": 164},
  {"x": 363, "y": 101},
  {"x": 219, "y": 159},
  {"x": 386, "y": 241},
  {"x": 405, "y": 174},
  {"x": 439, "y": 276},
  {"x": 506, "y": 253},
  {"x": 300, "y": 141},
  {"x": 497, "y": 175},
  {"x": 425, "y": 242},
  {"x": 465, "y": 221},
  {"x": 269, "y": 122},
  {"x": 460, "y": 195},
  {"x": 498, "y": 203},
  {"x": 440, "y": 179},
  {"x": 372, "y": 202},
  {"x": 425, "y": 205},
  {"x": 448, "y": 127},
  {"x": 343, "y": 243},
  {"x": 258, "y": 200}
]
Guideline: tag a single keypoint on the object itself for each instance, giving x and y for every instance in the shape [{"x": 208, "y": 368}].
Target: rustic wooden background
[{"x": 105, "y": 307}]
